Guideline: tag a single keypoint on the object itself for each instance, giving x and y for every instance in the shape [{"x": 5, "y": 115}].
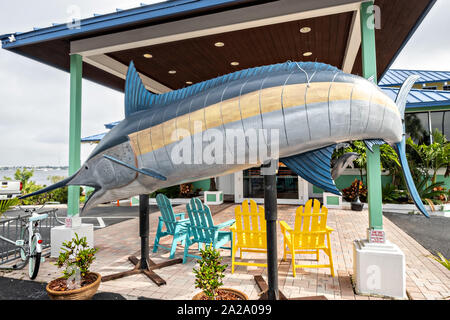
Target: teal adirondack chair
[
  {"x": 175, "y": 228},
  {"x": 202, "y": 230}
]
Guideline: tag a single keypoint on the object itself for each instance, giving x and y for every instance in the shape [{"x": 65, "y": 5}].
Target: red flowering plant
[{"x": 351, "y": 192}]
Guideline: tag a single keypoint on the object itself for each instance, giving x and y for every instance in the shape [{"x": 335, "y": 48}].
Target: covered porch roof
[{"x": 188, "y": 41}]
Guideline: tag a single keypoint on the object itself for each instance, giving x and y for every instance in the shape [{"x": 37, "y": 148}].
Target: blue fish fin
[
  {"x": 400, "y": 148},
  {"x": 403, "y": 93},
  {"x": 314, "y": 167},
  {"x": 137, "y": 97},
  {"x": 145, "y": 171},
  {"x": 370, "y": 143}
]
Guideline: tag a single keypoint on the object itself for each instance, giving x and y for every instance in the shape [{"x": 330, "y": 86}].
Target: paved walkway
[{"x": 426, "y": 278}]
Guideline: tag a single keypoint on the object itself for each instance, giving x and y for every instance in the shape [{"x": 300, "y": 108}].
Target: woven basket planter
[
  {"x": 243, "y": 296},
  {"x": 84, "y": 293}
]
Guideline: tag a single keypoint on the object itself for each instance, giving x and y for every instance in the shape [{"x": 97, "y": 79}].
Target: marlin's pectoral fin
[
  {"x": 370, "y": 143},
  {"x": 147, "y": 172},
  {"x": 314, "y": 167}
]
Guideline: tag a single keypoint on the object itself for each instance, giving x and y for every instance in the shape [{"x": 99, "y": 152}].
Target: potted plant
[
  {"x": 78, "y": 283},
  {"x": 209, "y": 275}
]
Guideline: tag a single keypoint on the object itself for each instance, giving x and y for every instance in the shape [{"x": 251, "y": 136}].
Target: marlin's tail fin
[{"x": 400, "y": 147}]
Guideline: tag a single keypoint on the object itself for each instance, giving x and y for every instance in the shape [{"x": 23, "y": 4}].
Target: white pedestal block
[
  {"x": 61, "y": 234},
  {"x": 379, "y": 268},
  {"x": 213, "y": 197}
]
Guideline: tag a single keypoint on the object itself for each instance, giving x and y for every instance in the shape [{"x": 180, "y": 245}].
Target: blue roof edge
[
  {"x": 114, "y": 19},
  {"x": 409, "y": 105}
]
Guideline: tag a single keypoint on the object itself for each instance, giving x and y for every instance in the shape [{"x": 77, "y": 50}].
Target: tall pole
[
  {"x": 76, "y": 75},
  {"x": 144, "y": 228},
  {"x": 270, "y": 209},
  {"x": 369, "y": 70}
]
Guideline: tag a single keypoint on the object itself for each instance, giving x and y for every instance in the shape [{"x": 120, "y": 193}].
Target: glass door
[{"x": 287, "y": 183}]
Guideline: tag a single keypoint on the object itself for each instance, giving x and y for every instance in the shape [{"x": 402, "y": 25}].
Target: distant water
[{"x": 40, "y": 175}]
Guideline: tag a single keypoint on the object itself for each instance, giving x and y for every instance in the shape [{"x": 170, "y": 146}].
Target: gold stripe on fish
[{"x": 251, "y": 104}]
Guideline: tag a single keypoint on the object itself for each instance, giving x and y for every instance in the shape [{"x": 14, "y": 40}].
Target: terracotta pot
[
  {"x": 243, "y": 296},
  {"x": 84, "y": 293}
]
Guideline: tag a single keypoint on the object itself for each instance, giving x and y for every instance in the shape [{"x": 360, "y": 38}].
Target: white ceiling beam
[
  {"x": 353, "y": 43},
  {"x": 233, "y": 20},
  {"x": 118, "y": 69}
]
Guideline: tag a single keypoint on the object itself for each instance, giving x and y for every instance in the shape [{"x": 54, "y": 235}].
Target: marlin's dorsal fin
[
  {"x": 314, "y": 167},
  {"x": 137, "y": 97}
]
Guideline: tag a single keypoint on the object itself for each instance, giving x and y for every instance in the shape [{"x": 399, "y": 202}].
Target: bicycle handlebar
[{"x": 38, "y": 217}]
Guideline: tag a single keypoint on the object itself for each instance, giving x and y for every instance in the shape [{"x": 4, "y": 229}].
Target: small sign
[
  {"x": 377, "y": 236},
  {"x": 68, "y": 222}
]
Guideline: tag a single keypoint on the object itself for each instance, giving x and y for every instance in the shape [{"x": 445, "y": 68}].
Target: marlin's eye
[{"x": 86, "y": 167}]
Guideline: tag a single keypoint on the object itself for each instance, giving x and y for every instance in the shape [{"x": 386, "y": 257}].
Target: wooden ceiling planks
[{"x": 199, "y": 59}]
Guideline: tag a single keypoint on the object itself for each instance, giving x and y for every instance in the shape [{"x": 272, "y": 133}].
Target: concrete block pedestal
[
  {"x": 379, "y": 269},
  {"x": 61, "y": 234},
  {"x": 213, "y": 197}
]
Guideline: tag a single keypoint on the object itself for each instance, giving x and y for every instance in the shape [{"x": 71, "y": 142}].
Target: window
[
  {"x": 441, "y": 121},
  {"x": 287, "y": 183},
  {"x": 418, "y": 125},
  {"x": 430, "y": 88},
  {"x": 446, "y": 88}
]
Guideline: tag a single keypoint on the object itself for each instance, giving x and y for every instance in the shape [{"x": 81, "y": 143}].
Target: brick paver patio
[{"x": 426, "y": 278}]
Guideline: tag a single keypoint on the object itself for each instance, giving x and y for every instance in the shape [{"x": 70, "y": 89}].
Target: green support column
[
  {"x": 369, "y": 69},
  {"x": 76, "y": 75}
]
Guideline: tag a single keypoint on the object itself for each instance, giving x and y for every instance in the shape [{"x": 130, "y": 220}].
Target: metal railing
[{"x": 11, "y": 229}]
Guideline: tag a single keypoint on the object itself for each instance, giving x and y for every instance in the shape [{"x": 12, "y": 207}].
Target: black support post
[
  {"x": 270, "y": 209},
  {"x": 144, "y": 229},
  {"x": 144, "y": 265}
]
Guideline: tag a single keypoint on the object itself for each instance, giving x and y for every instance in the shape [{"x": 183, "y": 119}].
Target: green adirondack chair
[
  {"x": 202, "y": 230},
  {"x": 175, "y": 228}
]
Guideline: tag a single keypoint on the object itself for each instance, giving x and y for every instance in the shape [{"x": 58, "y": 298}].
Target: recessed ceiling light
[
  {"x": 305, "y": 29},
  {"x": 148, "y": 55},
  {"x": 172, "y": 72},
  {"x": 188, "y": 82},
  {"x": 234, "y": 63},
  {"x": 219, "y": 44},
  {"x": 307, "y": 54}
]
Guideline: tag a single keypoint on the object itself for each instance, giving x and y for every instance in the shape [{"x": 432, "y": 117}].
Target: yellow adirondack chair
[
  {"x": 308, "y": 235},
  {"x": 249, "y": 232}
]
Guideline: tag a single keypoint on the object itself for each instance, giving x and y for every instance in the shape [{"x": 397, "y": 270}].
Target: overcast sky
[{"x": 34, "y": 100}]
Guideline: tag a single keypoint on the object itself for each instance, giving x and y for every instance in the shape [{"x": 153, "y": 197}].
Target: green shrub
[
  {"x": 210, "y": 273},
  {"x": 76, "y": 254},
  {"x": 442, "y": 260},
  {"x": 6, "y": 204},
  {"x": 170, "y": 192}
]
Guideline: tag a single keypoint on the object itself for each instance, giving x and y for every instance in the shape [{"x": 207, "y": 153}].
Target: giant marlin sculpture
[{"x": 313, "y": 106}]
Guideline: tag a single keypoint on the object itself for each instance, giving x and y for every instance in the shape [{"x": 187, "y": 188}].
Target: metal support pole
[
  {"x": 76, "y": 76},
  {"x": 270, "y": 209},
  {"x": 369, "y": 70},
  {"x": 144, "y": 229}
]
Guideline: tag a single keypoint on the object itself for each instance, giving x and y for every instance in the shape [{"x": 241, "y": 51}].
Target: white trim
[
  {"x": 118, "y": 69},
  {"x": 233, "y": 20},
  {"x": 238, "y": 186},
  {"x": 353, "y": 43}
]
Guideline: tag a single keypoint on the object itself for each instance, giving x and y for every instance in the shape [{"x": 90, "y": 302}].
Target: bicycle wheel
[
  {"x": 24, "y": 235},
  {"x": 35, "y": 259}
]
